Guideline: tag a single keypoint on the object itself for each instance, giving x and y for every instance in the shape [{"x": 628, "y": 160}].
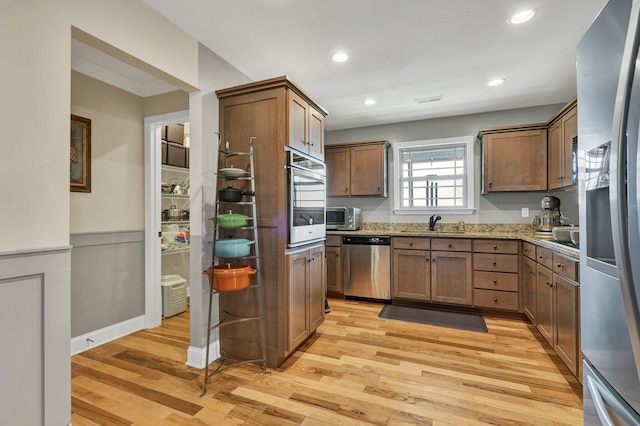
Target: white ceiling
[{"x": 400, "y": 51}]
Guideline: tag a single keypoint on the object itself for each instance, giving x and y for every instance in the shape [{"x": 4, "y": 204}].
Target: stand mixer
[{"x": 550, "y": 217}]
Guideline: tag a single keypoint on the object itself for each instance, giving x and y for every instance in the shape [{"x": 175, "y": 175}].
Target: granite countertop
[{"x": 522, "y": 232}]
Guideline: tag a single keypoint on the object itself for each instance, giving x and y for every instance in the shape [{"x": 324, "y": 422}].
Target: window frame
[{"x": 469, "y": 177}]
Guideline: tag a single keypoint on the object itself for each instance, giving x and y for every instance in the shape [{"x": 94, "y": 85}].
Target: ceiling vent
[{"x": 429, "y": 99}]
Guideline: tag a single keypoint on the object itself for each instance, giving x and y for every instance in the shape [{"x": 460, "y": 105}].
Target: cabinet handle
[
  {"x": 427, "y": 259},
  {"x": 449, "y": 245},
  {"x": 494, "y": 263},
  {"x": 495, "y": 281},
  {"x": 411, "y": 244},
  {"x": 560, "y": 265},
  {"x": 541, "y": 257},
  {"x": 490, "y": 184},
  {"x": 495, "y": 247},
  {"x": 531, "y": 272},
  {"x": 346, "y": 190},
  {"x": 495, "y": 299},
  {"x": 378, "y": 189},
  {"x": 433, "y": 260}
]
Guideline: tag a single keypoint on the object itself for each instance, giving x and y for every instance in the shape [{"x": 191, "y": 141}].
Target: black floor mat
[{"x": 433, "y": 317}]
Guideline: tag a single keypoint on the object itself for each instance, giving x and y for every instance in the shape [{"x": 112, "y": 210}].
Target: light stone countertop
[{"x": 522, "y": 232}]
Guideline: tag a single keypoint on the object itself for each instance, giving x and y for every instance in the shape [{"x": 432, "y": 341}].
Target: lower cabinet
[
  {"x": 557, "y": 311},
  {"x": 451, "y": 271},
  {"x": 305, "y": 294},
  {"x": 412, "y": 268},
  {"x": 333, "y": 263},
  {"x": 495, "y": 275},
  {"x": 529, "y": 289}
]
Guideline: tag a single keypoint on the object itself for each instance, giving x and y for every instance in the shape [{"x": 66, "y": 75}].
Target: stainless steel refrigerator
[{"x": 608, "y": 72}]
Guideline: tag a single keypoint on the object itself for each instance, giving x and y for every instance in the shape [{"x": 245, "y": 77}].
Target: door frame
[{"x": 152, "y": 208}]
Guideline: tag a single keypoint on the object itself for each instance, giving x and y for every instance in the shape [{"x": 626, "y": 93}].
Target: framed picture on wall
[{"x": 80, "y": 155}]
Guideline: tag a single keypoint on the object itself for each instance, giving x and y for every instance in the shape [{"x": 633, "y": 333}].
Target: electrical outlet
[{"x": 525, "y": 212}]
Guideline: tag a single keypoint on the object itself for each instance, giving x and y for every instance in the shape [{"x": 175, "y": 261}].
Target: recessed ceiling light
[
  {"x": 340, "y": 57},
  {"x": 495, "y": 82},
  {"x": 522, "y": 16},
  {"x": 370, "y": 102}
]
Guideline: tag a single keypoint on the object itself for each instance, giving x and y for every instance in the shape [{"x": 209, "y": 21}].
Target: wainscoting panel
[
  {"x": 34, "y": 331},
  {"x": 107, "y": 280}
]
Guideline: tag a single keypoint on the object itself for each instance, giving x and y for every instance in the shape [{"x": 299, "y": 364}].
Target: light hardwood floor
[{"x": 356, "y": 369}]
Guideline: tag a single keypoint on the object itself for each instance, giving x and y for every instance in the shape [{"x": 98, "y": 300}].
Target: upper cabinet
[
  {"x": 534, "y": 157},
  {"x": 306, "y": 126},
  {"x": 357, "y": 168},
  {"x": 562, "y": 131},
  {"x": 514, "y": 159}
]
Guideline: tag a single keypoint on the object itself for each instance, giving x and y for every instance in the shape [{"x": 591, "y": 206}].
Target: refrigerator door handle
[
  {"x": 617, "y": 192},
  {"x": 598, "y": 402}
]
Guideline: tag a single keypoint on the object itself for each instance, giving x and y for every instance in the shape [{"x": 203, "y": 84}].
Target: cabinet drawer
[
  {"x": 544, "y": 257},
  {"x": 333, "y": 241},
  {"x": 450, "y": 244},
  {"x": 529, "y": 250},
  {"x": 412, "y": 243},
  {"x": 506, "y": 300},
  {"x": 495, "y": 280},
  {"x": 495, "y": 262},
  {"x": 565, "y": 266},
  {"x": 495, "y": 246}
]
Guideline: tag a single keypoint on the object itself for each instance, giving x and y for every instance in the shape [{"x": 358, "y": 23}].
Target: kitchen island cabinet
[
  {"x": 357, "y": 169},
  {"x": 263, "y": 110}
]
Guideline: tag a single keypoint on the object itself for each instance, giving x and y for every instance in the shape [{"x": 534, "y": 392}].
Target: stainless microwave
[{"x": 344, "y": 218}]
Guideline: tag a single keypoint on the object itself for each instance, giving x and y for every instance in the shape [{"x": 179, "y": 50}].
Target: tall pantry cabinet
[{"x": 278, "y": 114}]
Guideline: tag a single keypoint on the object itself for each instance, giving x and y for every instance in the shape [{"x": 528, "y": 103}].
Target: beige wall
[
  {"x": 116, "y": 200},
  {"x": 167, "y": 102},
  {"x": 35, "y": 40}
]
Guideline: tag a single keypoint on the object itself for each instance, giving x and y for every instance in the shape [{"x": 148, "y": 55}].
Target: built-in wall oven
[{"x": 307, "y": 192}]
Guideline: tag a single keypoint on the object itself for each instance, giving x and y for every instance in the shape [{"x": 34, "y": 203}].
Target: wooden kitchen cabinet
[
  {"x": 563, "y": 129},
  {"x": 306, "y": 126},
  {"x": 495, "y": 275},
  {"x": 411, "y": 268},
  {"x": 556, "y": 314},
  {"x": 357, "y": 168},
  {"x": 514, "y": 159},
  {"x": 545, "y": 296},
  {"x": 567, "y": 304},
  {"x": 451, "y": 271},
  {"x": 276, "y": 113},
  {"x": 529, "y": 289},
  {"x": 333, "y": 263},
  {"x": 305, "y": 294}
]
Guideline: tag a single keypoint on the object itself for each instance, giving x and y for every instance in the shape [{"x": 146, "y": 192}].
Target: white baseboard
[
  {"x": 196, "y": 356},
  {"x": 100, "y": 337}
]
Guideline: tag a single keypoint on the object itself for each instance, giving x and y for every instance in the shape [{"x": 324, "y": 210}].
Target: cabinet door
[
  {"x": 368, "y": 170},
  {"x": 338, "y": 163},
  {"x": 333, "y": 256},
  {"x": 317, "y": 292},
  {"x": 298, "y": 132},
  {"x": 529, "y": 285},
  {"x": 567, "y": 318},
  {"x": 545, "y": 323},
  {"x": 569, "y": 131},
  {"x": 556, "y": 156},
  {"x": 297, "y": 299},
  {"x": 515, "y": 161},
  {"x": 412, "y": 274},
  {"x": 315, "y": 123},
  {"x": 451, "y": 277}
]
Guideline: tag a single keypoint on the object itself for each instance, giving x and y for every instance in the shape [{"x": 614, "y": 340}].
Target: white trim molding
[
  {"x": 196, "y": 356},
  {"x": 107, "y": 334}
]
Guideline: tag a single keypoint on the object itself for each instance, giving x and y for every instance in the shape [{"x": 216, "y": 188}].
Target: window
[{"x": 434, "y": 176}]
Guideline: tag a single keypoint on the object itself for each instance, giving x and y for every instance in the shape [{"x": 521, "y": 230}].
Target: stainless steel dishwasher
[{"x": 367, "y": 266}]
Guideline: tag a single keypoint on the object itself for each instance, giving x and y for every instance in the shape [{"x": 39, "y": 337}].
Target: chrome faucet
[{"x": 433, "y": 220}]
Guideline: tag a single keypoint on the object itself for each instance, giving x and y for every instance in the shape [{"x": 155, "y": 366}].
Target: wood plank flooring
[{"x": 357, "y": 369}]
